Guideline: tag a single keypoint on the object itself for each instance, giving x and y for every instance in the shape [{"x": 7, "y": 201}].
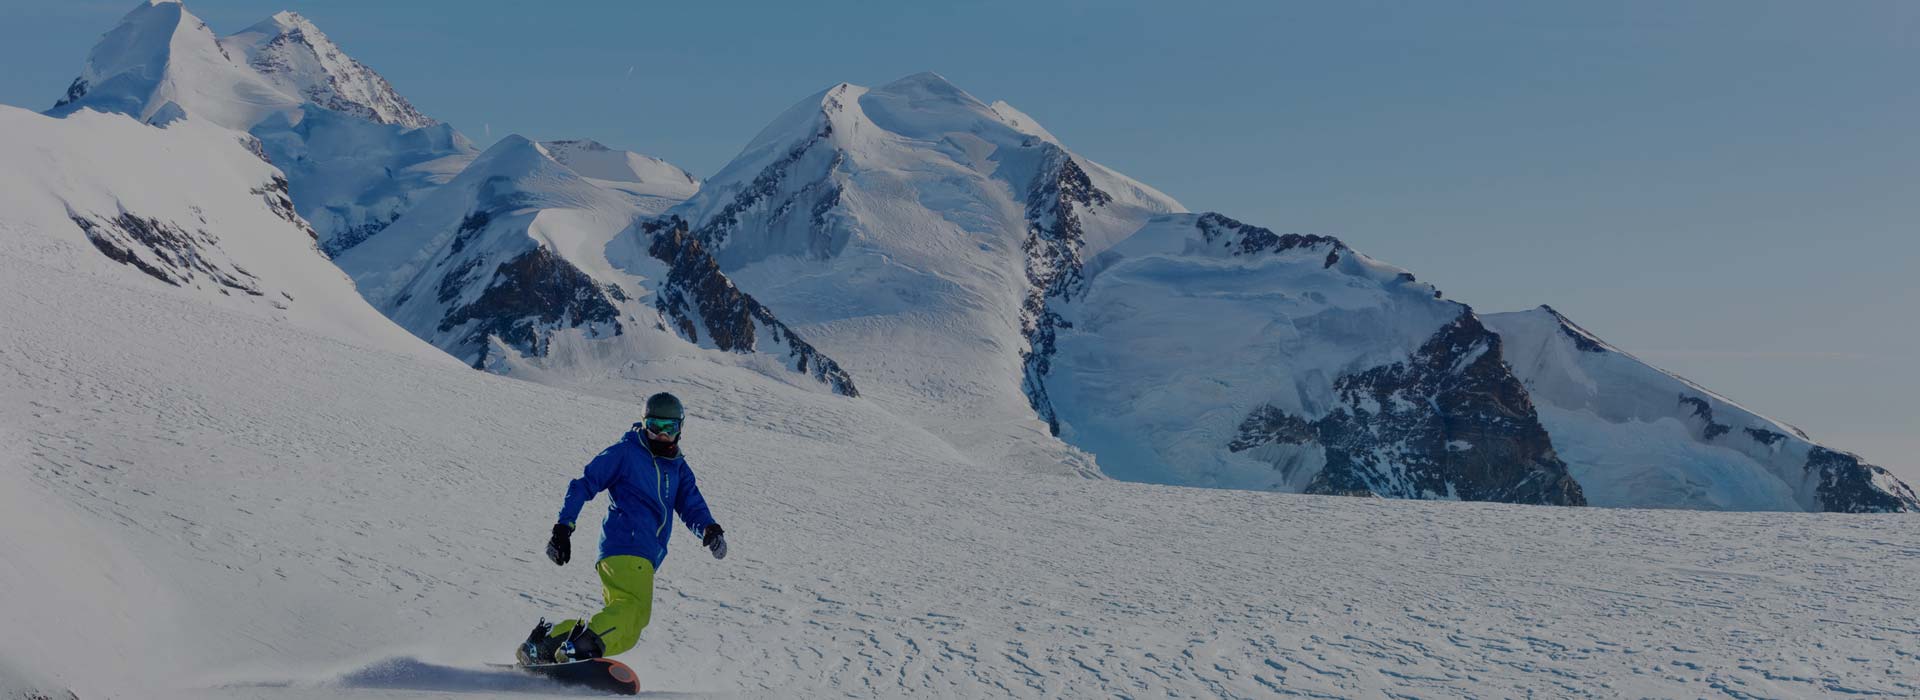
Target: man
[{"x": 650, "y": 482}]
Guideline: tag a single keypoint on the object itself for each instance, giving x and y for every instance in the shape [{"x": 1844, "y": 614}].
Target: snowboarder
[{"x": 649, "y": 481}]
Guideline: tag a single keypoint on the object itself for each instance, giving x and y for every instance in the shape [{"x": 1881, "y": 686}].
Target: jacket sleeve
[
  {"x": 690, "y": 504},
  {"x": 600, "y": 474}
]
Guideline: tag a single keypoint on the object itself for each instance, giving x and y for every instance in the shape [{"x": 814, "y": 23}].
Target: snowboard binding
[
  {"x": 531, "y": 652},
  {"x": 545, "y": 647}
]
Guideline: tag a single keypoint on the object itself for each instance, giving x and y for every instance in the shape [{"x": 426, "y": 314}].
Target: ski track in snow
[{"x": 323, "y": 520}]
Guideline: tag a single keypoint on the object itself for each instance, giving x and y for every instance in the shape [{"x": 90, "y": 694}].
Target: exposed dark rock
[
  {"x": 254, "y": 146},
  {"x": 1053, "y": 246},
  {"x": 1847, "y": 485},
  {"x": 1704, "y": 411},
  {"x": 697, "y": 296},
  {"x": 1269, "y": 425},
  {"x": 75, "y": 90},
  {"x": 1451, "y": 421},
  {"x": 529, "y": 298},
  {"x": 178, "y": 257},
  {"x": 1765, "y": 437},
  {"x": 581, "y": 144},
  {"x": 470, "y": 226},
  {"x": 456, "y": 280},
  {"x": 1246, "y": 239},
  {"x": 280, "y": 201}
]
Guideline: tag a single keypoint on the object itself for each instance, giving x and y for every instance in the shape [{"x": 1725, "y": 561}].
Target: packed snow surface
[{"x": 230, "y": 505}]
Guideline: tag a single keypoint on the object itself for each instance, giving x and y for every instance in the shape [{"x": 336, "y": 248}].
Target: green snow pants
[{"x": 628, "y": 591}]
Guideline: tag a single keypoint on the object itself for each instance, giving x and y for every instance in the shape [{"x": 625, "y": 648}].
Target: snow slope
[
  {"x": 1635, "y": 435},
  {"x": 191, "y": 206},
  {"x": 254, "y": 510}
]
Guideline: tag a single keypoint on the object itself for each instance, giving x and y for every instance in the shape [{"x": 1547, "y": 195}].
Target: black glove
[
  {"x": 715, "y": 540},
  {"x": 560, "y": 546}
]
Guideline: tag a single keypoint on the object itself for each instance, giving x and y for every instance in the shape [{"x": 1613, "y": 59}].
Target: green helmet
[{"x": 665, "y": 405}]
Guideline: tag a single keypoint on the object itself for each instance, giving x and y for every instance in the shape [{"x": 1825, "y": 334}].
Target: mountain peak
[
  {"x": 160, "y": 53},
  {"x": 296, "y": 57},
  {"x": 928, "y": 87},
  {"x": 511, "y": 156},
  {"x": 926, "y": 79},
  {"x": 634, "y": 173},
  {"x": 284, "y": 22}
]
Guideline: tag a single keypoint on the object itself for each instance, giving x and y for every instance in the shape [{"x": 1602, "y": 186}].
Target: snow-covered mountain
[
  {"x": 981, "y": 279},
  {"x": 161, "y": 61},
  {"x": 1634, "y": 435},
  {"x": 296, "y": 57},
  {"x": 911, "y": 231},
  {"x": 510, "y": 255},
  {"x": 964, "y": 263},
  {"x": 946, "y": 250},
  {"x": 356, "y": 154},
  {"x": 510, "y": 265},
  {"x": 190, "y": 207},
  {"x": 1206, "y": 351}
]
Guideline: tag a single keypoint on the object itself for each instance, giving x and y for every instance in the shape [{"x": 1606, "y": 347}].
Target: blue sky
[{"x": 1727, "y": 189}]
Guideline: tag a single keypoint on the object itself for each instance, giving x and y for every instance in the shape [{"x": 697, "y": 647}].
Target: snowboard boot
[
  {"x": 580, "y": 644},
  {"x": 539, "y": 647}
]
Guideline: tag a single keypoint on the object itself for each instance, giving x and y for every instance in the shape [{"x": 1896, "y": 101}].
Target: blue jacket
[{"x": 647, "y": 490}]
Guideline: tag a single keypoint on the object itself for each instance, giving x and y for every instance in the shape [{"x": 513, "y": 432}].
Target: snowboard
[{"x": 604, "y": 675}]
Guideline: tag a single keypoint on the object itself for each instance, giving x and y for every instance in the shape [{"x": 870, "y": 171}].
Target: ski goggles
[{"x": 661, "y": 426}]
